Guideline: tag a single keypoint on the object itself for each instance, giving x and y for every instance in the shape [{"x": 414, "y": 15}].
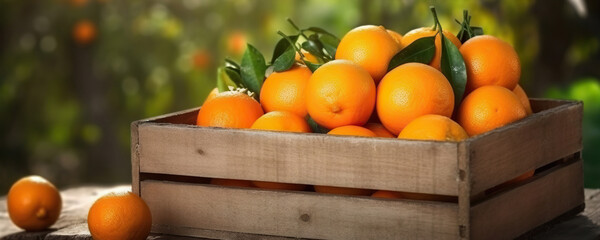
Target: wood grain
[
  {"x": 304, "y": 215},
  {"x": 316, "y": 159},
  {"x": 507, "y": 152},
  {"x": 514, "y": 212},
  {"x": 135, "y": 158}
]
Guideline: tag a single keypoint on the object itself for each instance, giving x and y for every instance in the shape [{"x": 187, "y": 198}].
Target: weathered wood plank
[
  {"x": 510, "y": 151},
  {"x": 579, "y": 227},
  {"x": 512, "y": 213},
  {"x": 305, "y": 215},
  {"x": 345, "y": 161}
]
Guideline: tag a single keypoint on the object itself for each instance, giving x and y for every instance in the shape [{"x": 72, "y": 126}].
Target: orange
[
  {"x": 229, "y": 109},
  {"x": 414, "y": 196},
  {"x": 340, "y": 93},
  {"x": 487, "y": 108},
  {"x": 279, "y": 186},
  {"x": 523, "y": 98},
  {"x": 379, "y": 130},
  {"x": 307, "y": 56},
  {"x": 508, "y": 183},
  {"x": 231, "y": 182},
  {"x": 281, "y": 121},
  {"x": 84, "y": 32},
  {"x": 387, "y": 194},
  {"x": 121, "y": 215},
  {"x": 212, "y": 94},
  {"x": 236, "y": 43},
  {"x": 396, "y": 36},
  {"x": 201, "y": 59},
  {"x": 433, "y": 127},
  {"x": 412, "y": 90},
  {"x": 369, "y": 46},
  {"x": 415, "y": 34},
  {"x": 343, "y": 190},
  {"x": 490, "y": 61},
  {"x": 352, "y": 130},
  {"x": 33, "y": 203},
  {"x": 285, "y": 91}
]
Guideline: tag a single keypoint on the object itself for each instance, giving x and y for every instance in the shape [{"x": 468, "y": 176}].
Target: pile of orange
[{"x": 356, "y": 94}]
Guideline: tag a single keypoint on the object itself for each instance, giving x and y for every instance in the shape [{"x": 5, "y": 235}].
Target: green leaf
[
  {"x": 312, "y": 66},
  {"x": 313, "y": 47},
  {"x": 234, "y": 78},
  {"x": 323, "y": 31},
  {"x": 330, "y": 44},
  {"x": 221, "y": 75},
  {"x": 453, "y": 67},
  {"x": 285, "y": 60},
  {"x": 231, "y": 64},
  {"x": 314, "y": 126},
  {"x": 421, "y": 50},
  {"x": 477, "y": 30},
  {"x": 253, "y": 68},
  {"x": 281, "y": 46}
]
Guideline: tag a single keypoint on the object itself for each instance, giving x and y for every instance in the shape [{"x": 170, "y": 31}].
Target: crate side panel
[
  {"x": 305, "y": 215},
  {"x": 135, "y": 160},
  {"x": 316, "y": 159},
  {"x": 533, "y": 142},
  {"x": 517, "y": 211}
]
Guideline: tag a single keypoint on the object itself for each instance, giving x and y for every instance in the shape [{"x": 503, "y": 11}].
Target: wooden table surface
[{"x": 77, "y": 201}]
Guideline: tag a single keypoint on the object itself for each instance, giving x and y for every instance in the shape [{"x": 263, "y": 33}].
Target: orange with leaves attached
[{"x": 418, "y": 33}]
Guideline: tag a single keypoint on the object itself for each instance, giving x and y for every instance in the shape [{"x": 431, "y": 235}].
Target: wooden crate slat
[
  {"x": 306, "y": 215},
  {"x": 513, "y": 213},
  {"x": 508, "y": 152},
  {"x": 373, "y": 163}
]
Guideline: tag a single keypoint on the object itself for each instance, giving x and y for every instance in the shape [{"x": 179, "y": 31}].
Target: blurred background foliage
[{"x": 75, "y": 73}]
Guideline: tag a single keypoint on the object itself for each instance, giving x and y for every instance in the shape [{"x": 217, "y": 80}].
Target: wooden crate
[{"x": 173, "y": 160}]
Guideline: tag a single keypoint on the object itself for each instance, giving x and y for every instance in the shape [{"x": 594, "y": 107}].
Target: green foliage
[
  {"x": 66, "y": 108},
  {"x": 588, "y": 91},
  {"x": 421, "y": 51}
]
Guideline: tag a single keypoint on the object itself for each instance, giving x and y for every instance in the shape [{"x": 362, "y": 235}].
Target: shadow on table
[
  {"x": 579, "y": 227},
  {"x": 27, "y": 235}
]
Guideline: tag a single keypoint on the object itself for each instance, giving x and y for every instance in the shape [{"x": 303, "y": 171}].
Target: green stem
[
  {"x": 291, "y": 43},
  {"x": 435, "y": 18},
  {"x": 297, "y": 28}
]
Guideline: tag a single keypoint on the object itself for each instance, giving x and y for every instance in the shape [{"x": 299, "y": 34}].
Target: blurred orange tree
[{"x": 75, "y": 73}]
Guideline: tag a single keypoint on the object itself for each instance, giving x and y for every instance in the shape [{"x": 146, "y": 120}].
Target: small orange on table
[
  {"x": 33, "y": 203},
  {"x": 119, "y": 215}
]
